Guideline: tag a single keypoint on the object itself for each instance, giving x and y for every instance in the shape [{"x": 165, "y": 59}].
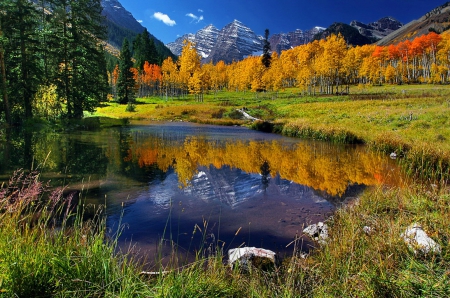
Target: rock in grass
[
  {"x": 250, "y": 255},
  {"x": 417, "y": 240},
  {"x": 318, "y": 232},
  {"x": 368, "y": 230}
]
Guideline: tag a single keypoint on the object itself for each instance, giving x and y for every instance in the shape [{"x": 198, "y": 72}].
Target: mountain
[
  {"x": 379, "y": 29},
  {"x": 235, "y": 41},
  {"x": 284, "y": 41},
  {"x": 121, "y": 24},
  {"x": 177, "y": 46},
  {"x": 116, "y": 13},
  {"x": 437, "y": 20},
  {"x": 204, "y": 40},
  {"x": 350, "y": 34}
]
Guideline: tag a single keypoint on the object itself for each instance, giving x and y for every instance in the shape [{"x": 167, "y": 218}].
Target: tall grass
[
  {"x": 379, "y": 264},
  {"x": 352, "y": 263},
  {"x": 48, "y": 248}
]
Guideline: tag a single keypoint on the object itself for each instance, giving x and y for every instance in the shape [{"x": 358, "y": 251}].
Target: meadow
[
  {"x": 48, "y": 248},
  {"x": 413, "y": 119}
]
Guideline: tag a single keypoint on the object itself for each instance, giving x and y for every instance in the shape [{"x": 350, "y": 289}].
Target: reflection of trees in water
[
  {"x": 143, "y": 157},
  {"x": 265, "y": 174},
  {"x": 16, "y": 151},
  {"x": 318, "y": 165},
  {"x": 130, "y": 167},
  {"x": 54, "y": 152}
]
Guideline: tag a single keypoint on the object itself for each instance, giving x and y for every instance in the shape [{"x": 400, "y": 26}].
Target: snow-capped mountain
[
  {"x": 237, "y": 41},
  {"x": 176, "y": 46},
  {"x": 204, "y": 41},
  {"x": 379, "y": 29},
  {"x": 284, "y": 41},
  {"x": 234, "y": 42}
]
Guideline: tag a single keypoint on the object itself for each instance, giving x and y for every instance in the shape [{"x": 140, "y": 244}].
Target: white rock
[
  {"x": 393, "y": 155},
  {"x": 245, "y": 254},
  {"x": 318, "y": 232},
  {"x": 416, "y": 238},
  {"x": 368, "y": 230}
]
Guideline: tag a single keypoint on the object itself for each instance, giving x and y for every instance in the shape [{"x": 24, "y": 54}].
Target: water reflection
[
  {"x": 163, "y": 179},
  {"x": 319, "y": 165}
]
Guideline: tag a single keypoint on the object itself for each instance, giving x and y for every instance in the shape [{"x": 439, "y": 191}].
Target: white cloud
[
  {"x": 164, "y": 18},
  {"x": 139, "y": 21},
  {"x": 200, "y": 10},
  {"x": 194, "y": 17}
]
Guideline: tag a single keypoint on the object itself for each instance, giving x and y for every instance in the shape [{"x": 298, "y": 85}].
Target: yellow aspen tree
[
  {"x": 169, "y": 74},
  {"x": 189, "y": 63},
  {"x": 335, "y": 49}
]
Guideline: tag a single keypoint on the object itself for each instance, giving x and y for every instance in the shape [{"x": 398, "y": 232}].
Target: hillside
[
  {"x": 350, "y": 34},
  {"x": 437, "y": 20},
  {"x": 121, "y": 24}
]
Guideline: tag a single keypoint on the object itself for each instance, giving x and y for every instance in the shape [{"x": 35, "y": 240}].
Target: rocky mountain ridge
[
  {"x": 114, "y": 11},
  {"x": 379, "y": 29},
  {"x": 235, "y": 41},
  {"x": 437, "y": 20},
  {"x": 285, "y": 41}
]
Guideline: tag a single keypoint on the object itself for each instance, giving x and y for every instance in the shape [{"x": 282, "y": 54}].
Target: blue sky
[{"x": 169, "y": 19}]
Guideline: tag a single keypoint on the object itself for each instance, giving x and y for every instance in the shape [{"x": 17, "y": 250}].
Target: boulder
[
  {"x": 318, "y": 232},
  {"x": 248, "y": 255},
  {"x": 417, "y": 240}
]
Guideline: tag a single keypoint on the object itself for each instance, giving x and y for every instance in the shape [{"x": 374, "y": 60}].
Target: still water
[{"x": 186, "y": 186}]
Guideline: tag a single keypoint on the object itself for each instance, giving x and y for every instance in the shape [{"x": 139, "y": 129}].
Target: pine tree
[
  {"x": 19, "y": 59},
  {"x": 144, "y": 50},
  {"x": 77, "y": 62},
  {"x": 126, "y": 82},
  {"x": 266, "y": 57},
  {"x": 90, "y": 81},
  {"x": 5, "y": 107}
]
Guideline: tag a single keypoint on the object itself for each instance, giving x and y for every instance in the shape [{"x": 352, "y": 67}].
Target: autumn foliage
[
  {"x": 305, "y": 164},
  {"x": 321, "y": 67}
]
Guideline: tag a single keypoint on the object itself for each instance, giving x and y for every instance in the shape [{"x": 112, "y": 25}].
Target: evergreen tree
[
  {"x": 5, "y": 106},
  {"x": 19, "y": 58},
  {"x": 125, "y": 82},
  {"x": 144, "y": 50},
  {"x": 266, "y": 57},
  {"x": 78, "y": 62}
]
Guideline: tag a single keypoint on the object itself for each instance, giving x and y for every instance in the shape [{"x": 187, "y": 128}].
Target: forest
[
  {"x": 54, "y": 65},
  {"x": 328, "y": 66},
  {"x": 53, "y": 58}
]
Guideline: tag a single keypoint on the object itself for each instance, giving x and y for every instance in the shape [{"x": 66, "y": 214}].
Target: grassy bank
[
  {"x": 410, "y": 120},
  {"x": 50, "y": 247},
  {"x": 47, "y": 250}
]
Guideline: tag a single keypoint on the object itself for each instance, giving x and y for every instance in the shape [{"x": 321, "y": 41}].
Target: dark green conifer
[{"x": 125, "y": 82}]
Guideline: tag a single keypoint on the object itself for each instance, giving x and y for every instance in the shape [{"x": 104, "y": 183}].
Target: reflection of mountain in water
[{"x": 231, "y": 186}]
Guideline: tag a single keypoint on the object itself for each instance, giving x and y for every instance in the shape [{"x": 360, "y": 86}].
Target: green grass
[
  {"x": 46, "y": 250},
  {"x": 411, "y": 120}
]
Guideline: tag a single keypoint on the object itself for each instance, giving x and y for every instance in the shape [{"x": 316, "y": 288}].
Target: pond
[{"x": 181, "y": 186}]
